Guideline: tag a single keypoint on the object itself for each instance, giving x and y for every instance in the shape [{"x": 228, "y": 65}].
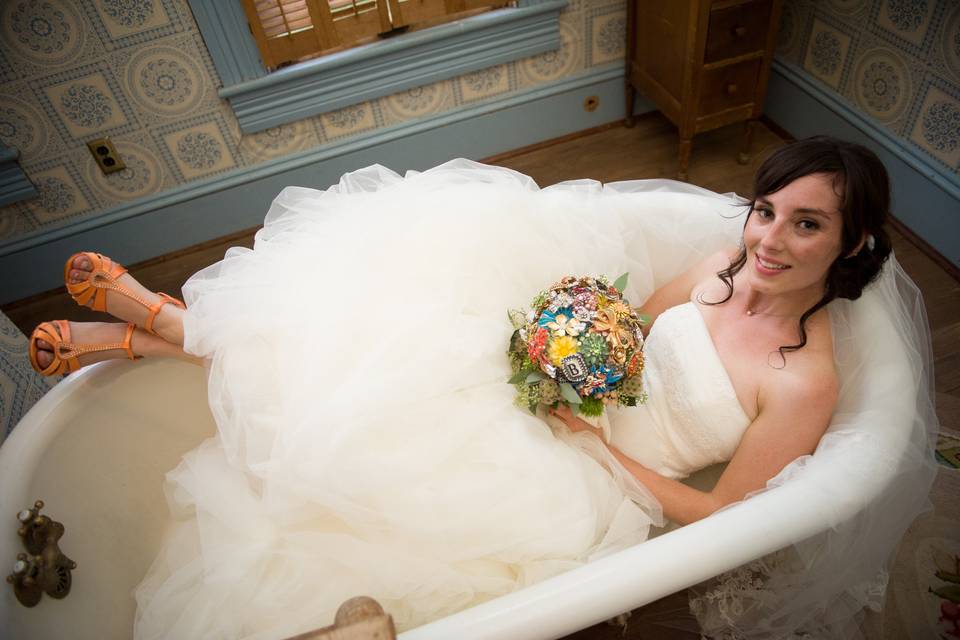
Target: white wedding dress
[{"x": 367, "y": 438}]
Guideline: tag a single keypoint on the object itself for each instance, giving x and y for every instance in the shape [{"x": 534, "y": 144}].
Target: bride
[{"x": 367, "y": 441}]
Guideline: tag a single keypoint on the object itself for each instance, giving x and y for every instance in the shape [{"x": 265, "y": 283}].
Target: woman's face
[{"x": 793, "y": 236}]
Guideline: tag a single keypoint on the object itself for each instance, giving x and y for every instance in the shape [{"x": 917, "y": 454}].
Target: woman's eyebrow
[{"x": 813, "y": 210}]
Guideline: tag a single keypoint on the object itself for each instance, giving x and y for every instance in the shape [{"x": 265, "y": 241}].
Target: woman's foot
[
  {"x": 80, "y": 335},
  {"x": 168, "y": 323}
]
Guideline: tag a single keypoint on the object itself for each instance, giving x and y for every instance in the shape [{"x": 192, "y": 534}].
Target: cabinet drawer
[
  {"x": 737, "y": 30},
  {"x": 727, "y": 87}
]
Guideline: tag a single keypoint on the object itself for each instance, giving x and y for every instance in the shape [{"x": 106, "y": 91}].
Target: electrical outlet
[{"x": 106, "y": 155}]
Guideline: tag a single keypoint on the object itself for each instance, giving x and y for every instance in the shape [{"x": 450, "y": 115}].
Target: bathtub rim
[
  {"x": 23, "y": 443},
  {"x": 648, "y": 571},
  {"x": 570, "y": 601}
]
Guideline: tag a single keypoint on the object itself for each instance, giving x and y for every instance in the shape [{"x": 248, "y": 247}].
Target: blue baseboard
[
  {"x": 207, "y": 209},
  {"x": 926, "y": 197}
]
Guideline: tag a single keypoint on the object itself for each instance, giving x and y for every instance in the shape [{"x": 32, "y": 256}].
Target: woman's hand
[{"x": 573, "y": 423}]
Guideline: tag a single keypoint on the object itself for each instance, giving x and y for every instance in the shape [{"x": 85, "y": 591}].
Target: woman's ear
[{"x": 863, "y": 240}]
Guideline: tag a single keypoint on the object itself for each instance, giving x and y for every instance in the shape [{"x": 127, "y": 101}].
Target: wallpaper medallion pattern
[
  {"x": 553, "y": 64},
  {"x": 418, "y": 101},
  {"x": 165, "y": 80},
  {"x": 138, "y": 71},
  {"x": 43, "y": 32},
  {"x": 22, "y": 126},
  {"x": 882, "y": 84},
  {"x": 278, "y": 141},
  {"x": 897, "y": 62}
]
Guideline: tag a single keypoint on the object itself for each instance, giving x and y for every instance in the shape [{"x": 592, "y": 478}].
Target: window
[
  {"x": 288, "y": 31},
  {"x": 262, "y": 98}
]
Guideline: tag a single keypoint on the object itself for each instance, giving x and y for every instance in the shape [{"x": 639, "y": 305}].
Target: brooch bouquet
[{"x": 579, "y": 344}]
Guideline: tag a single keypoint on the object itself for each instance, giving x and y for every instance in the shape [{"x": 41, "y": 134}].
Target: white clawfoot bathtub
[{"x": 96, "y": 448}]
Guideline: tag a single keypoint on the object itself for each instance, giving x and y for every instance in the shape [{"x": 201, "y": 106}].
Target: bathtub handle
[{"x": 43, "y": 568}]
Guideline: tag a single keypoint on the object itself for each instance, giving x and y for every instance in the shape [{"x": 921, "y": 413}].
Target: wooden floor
[{"x": 648, "y": 150}]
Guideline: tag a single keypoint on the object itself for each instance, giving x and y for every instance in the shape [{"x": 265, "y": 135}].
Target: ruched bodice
[{"x": 692, "y": 417}]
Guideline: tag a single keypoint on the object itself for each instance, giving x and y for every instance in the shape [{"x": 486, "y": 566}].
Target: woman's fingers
[
  {"x": 574, "y": 423},
  {"x": 562, "y": 411}
]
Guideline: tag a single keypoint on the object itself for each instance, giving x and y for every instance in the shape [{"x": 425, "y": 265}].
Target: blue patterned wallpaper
[
  {"x": 138, "y": 71},
  {"x": 20, "y": 385},
  {"x": 895, "y": 61}
]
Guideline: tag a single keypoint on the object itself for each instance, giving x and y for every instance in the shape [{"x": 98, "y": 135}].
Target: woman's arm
[{"x": 790, "y": 423}]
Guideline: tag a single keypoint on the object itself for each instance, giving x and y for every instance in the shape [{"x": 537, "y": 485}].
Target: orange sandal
[
  {"x": 92, "y": 292},
  {"x": 65, "y": 353}
]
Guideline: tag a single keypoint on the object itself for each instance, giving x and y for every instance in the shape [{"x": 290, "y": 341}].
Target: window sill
[{"x": 403, "y": 62}]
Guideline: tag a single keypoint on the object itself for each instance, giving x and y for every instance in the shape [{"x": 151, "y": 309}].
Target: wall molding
[
  {"x": 926, "y": 196},
  {"x": 220, "y": 205},
  {"x": 262, "y": 99},
  {"x": 383, "y": 68},
  {"x": 14, "y": 183},
  {"x": 227, "y": 36}
]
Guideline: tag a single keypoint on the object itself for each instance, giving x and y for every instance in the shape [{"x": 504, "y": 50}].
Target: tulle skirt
[{"x": 367, "y": 440}]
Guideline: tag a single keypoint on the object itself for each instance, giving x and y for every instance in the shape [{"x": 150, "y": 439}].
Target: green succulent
[
  {"x": 591, "y": 407},
  {"x": 594, "y": 349}
]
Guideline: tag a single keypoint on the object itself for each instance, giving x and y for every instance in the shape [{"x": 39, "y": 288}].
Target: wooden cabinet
[{"x": 703, "y": 63}]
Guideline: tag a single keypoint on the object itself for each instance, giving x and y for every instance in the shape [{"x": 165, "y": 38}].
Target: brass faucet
[{"x": 43, "y": 568}]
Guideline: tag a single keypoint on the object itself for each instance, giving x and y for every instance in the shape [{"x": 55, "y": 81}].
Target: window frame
[{"x": 261, "y": 99}]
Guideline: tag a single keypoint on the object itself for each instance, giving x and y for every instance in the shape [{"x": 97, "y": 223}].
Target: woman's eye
[
  {"x": 763, "y": 212},
  {"x": 809, "y": 225}
]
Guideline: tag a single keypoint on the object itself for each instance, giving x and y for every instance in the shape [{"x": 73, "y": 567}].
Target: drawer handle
[
  {"x": 739, "y": 31},
  {"x": 730, "y": 89}
]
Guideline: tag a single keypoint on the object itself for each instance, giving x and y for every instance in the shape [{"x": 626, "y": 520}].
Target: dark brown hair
[{"x": 861, "y": 180}]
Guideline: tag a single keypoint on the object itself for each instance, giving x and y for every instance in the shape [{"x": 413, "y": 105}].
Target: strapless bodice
[{"x": 692, "y": 417}]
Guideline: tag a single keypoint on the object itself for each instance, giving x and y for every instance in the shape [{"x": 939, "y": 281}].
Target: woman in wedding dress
[{"x": 367, "y": 438}]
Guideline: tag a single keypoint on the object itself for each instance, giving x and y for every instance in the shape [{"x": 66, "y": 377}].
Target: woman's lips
[{"x": 769, "y": 267}]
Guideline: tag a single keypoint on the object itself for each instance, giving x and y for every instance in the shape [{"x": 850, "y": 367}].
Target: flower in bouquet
[{"x": 580, "y": 343}]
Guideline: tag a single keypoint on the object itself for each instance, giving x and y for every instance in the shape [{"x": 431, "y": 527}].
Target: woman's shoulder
[
  {"x": 717, "y": 261},
  {"x": 808, "y": 374},
  {"x": 704, "y": 274}
]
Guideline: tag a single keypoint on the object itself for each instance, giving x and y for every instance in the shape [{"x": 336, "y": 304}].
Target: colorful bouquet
[{"x": 579, "y": 344}]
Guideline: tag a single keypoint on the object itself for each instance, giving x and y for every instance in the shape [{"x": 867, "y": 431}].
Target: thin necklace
[{"x": 751, "y": 312}]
